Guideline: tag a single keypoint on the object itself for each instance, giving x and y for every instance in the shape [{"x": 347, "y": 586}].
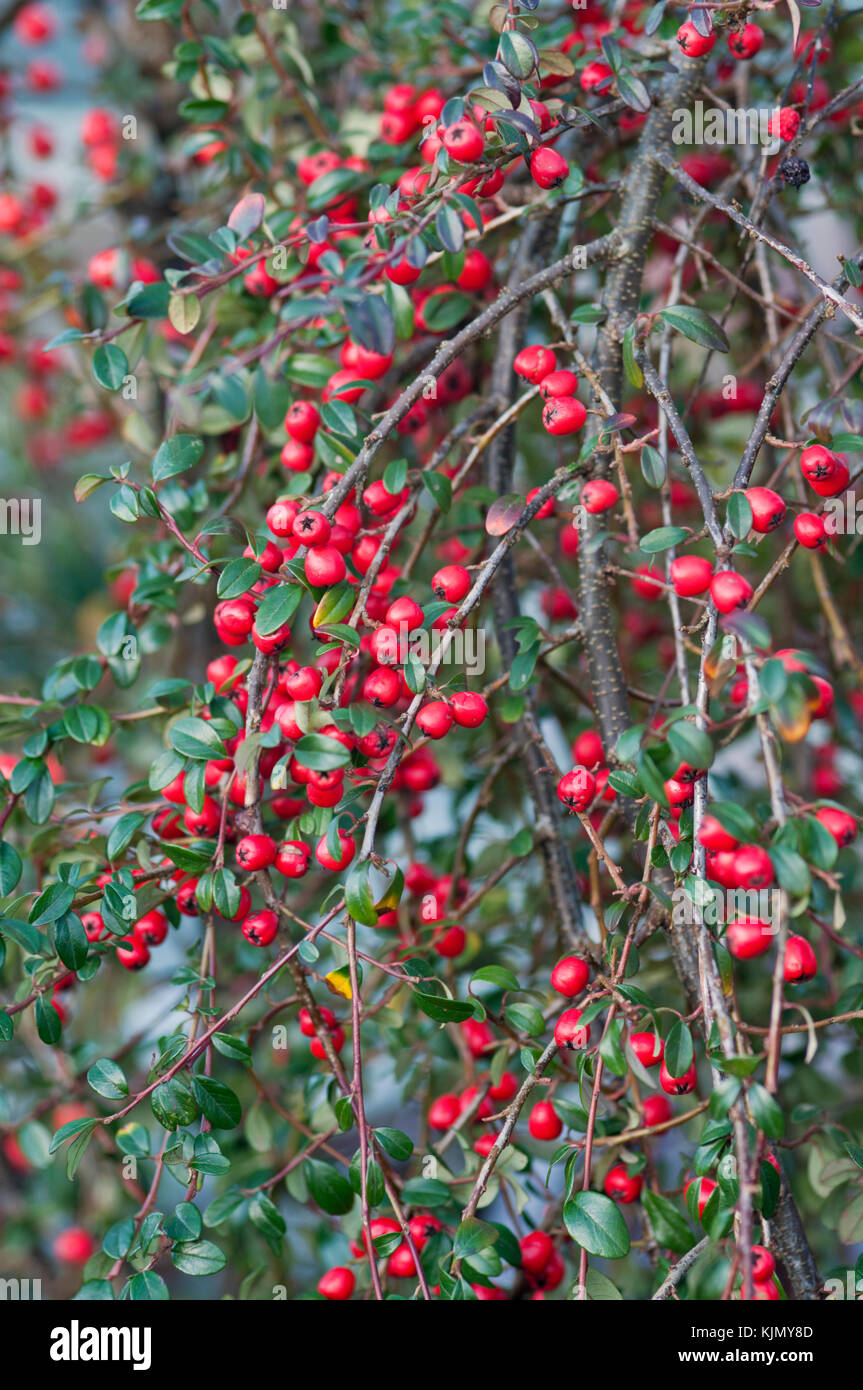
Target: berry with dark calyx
[
  {"x": 560, "y": 383},
  {"x": 599, "y": 496},
  {"x": 763, "y": 1264},
  {"x": 451, "y": 583},
  {"x": 677, "y": 1085},
  {"x": 255, "y": 852},
  {"x": 768, "y": 508},
  {"x": 746, "y": 42},
  {"x": 730, "y": 590},
  {"x": 260, "y": 928},
  {"x": 795, "y": 172},
  {"x": 621, "y": 1185},
  {"x": 753, "y": 867},
  {"x": 132, "y": 953},
  {"x": 382, "y": 687},
  {"x": 311, "y": 528},
  {"x": 548, "y": 168},
  {"x": 304, "y": 684},
  {"x": 570, "y": 976},
  {"x": 301, "y": 421},
  {"x": 152, "y": 928},
  {"x": 693, "y": 44},
  {"x": 570, "y": 1032},
  {"x": 576, "y": 789},
  {"x": 799, "y": 962},
  {"x": 463, "y": 142},
  {"x": 563, "y": 415}
]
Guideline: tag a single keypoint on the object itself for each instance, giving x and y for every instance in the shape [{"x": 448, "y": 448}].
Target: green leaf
[
  {"x": 147, "y": 1286},
  {"x": 792, "y": 871},
  {"x": 679, "y": 1051},
  {"x": 321, "y": 753},
  {"x": 238, "y": 577},
  {"x": 663, "y": 538},
  {"x": 669, "y": 1226},
  {"x": 196, "y": 738},
  {"x": 766, "y": 1112},
  {"x": 234, "y": 1048},
  {"x": 440, "y": 487},
  {"x": 70, "y": 939},
  {"x": 10, "y": 868},
  {"x": 739, "y": 515},
  {"x": 107, "y": 1079},
  {"x": 123, "y": 833},
  {"x": 689, "y": 744},
  {"x": 495, "y": 975},
  {"x": 443, "y": 1010},
  {"x": 277, "y": 607},
  {"x": 652, "y": 466},
  {"x": 696, "y": 325},
  {"x": 358, "y": 895},
  {"x": 395, "y": 1142},
  {"x": 198, "y": 1257},
  {"x": 329, "y": 1189},
  {"x": 217, "y": 1101},
  {"x": 176, "y": 455},
  {"x": 110, "y": 366},
  {"x": 185, "y": 1223},
  {"x": 48, "y": 1024},
  {"x": 472, "y": 1236},
  {"x": 595, "y": 1223}
]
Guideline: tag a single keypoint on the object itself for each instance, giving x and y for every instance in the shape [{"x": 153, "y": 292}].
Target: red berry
[
  {"x": 752, "y": 867},
  {"x": 469, "y": 710},
  {"x": 451, "y": 583},
  {"x": 842, "y": 826},
  {"x": 576, "y": 789},
  {"x": 563, "y": 415},
  {"x": 763, "y": 1263},
  {"x": 657, "y": 1109},
  {"x": 621, "y": 1185},
  {"x": 748, "y": 937},
  {"x": 337, "y": 1284},
  {"x": 325, "y": 566},
  {"x": 810, "y": 530},
  {"x": 544, "y": 1121},
  {"x": 548, "y": 168},
  {"x": 561, "y": 383},
  {"x": 444, "y": 1111},
  {"x": 693, "y": 44},
  {"x": 746, "y": 42},
  {"x": 152, "y": 928},
  {"x": 714, "y": 837},
  {"x": 570, "y": 1032},
  {"x": 537, "y": 1249},
  {"x": 74, "y": 1246},
  {"x": 475, "y": 273},
  {"x": 706, "y": 1188},
  {"x": 347, "y": 849},
  {"x": 533, "y": 363},
  {"x": 648, "y": 1048},
  {"x": 799, "y": 962},
  {"x": 255, "y": 852},
  {"x": 463, "y": 142},
  {"x": 301, "y": 421},
  {"x": 599, "y": 496},
  {"x": 435, "y": 719},
  {"x": 570, "y": 976},
  {"x": 768, "y": 508},
  {"x": 785, "y": 123},
  {"x": 132, "y": 953},
  {"x": 677, "y": 1085},
  {"x": 690, "y": 575},
  {"x": 382, "y": 687},
  {"x": 260, "y": 928},
  {"x": 311, "y": 528},
  {"x": 730, "y": 590}
]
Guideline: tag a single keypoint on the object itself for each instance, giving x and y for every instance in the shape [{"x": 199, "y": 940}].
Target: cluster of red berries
[{"x": 562, "y": 413}]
